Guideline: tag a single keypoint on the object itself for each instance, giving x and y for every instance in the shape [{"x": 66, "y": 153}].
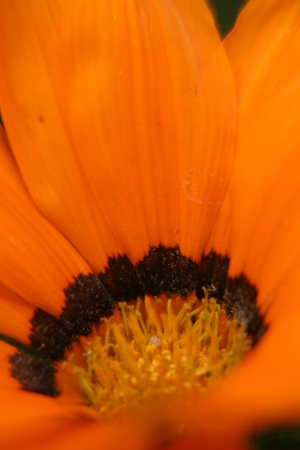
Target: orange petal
[
  {"x": 88, "y": 435},
  {"x": 33, "y": 422},
  {"x": 264, "y": 33},
  {"x": 26, "y": 416},
  {"x": 30, "y": 36},
  {"x": 220, "y": 237},
  {"x": 264, "y": 191},
  {"x": 15, "y": 315},
  {"x": 36, "y": 261},
  {"x": 149, "y": 103},
  {"x": 6, "y": 380}
]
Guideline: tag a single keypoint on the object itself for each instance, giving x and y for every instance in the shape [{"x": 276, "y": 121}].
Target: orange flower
[{"x": 130, "y": 129}]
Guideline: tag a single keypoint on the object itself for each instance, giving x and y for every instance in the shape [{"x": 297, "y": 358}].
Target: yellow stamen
[{"x": 155, "y": 355}]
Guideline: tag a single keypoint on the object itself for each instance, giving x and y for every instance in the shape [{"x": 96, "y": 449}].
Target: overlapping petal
[
  {"x": 15, "y": 315},
  {"x": 264, "y": 190},
  {"x": 144, "y": 175},
  {"x": 37, "y": 262},
  {"x": 30, "y": 54},
  {"x": 146, "y": 100}
]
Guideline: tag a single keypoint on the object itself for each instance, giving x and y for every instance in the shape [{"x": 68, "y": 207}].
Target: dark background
[{"x": 226, "y": 12}]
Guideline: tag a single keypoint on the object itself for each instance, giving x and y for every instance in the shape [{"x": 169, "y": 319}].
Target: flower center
[{"x": 161, "y": 348}]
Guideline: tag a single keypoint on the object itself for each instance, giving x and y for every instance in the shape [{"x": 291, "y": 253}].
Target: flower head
[{"x": 149, "y": 223}]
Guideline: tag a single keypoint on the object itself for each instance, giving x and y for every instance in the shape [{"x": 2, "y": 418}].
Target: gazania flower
[{"x": 150, "y": 224}]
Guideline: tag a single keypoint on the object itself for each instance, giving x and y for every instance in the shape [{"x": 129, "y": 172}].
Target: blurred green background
[{"x": 226, "y": 12}]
